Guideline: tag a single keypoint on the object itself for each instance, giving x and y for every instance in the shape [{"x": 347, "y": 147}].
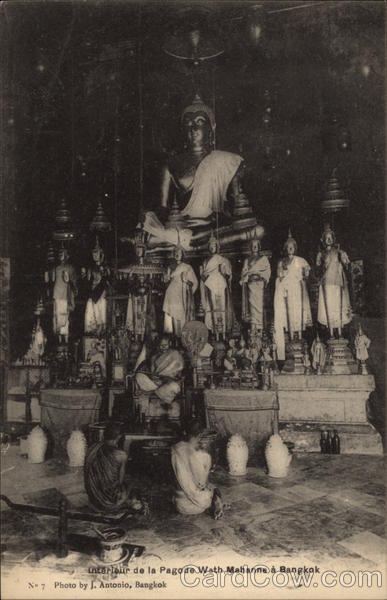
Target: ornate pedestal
[
  {"x": 310, "y": 403},
  {"x": 295, "y": 364},
  {"x": 252, "y": 413},
  {"x": 340, "y": 360}
]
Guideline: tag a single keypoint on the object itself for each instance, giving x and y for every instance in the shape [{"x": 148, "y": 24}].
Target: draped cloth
[
  {"x": 212, "y": 178},
  {"x": 333, "y": 291},
  {"x": 191, "y": 468},
  {"x": 255, "y": 274},
  {"x": 164, "y": 235},
  {"x": 216, "y": 293},
  {"x": 178, "y": 304},
  {"x": 102, "y": 478},
  {"x": 291, "y": 289}
]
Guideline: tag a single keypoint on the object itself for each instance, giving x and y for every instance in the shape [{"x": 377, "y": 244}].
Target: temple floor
[{"x": 329, "y": 511}]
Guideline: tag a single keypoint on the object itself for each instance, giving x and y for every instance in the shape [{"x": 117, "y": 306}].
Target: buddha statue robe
[
  {"x": 291, "y": 301},
  {"x": 215, "y": 291},
  {"x": 178, "y": 304},
  {"x": 333, "y": 295},
  {"x": 255, "y": 275}
]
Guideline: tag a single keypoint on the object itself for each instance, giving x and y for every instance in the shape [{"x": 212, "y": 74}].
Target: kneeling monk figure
[
  {"x": 191, "y": 465},
  {"x": 104, "y": 474}
]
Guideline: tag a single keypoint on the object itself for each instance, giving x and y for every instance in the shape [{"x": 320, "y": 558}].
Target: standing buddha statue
[
  {"x": 291, "y": 299},
  {"x": 97, "y": 275},
  {"x": 254, "y": 278},
  {"x": 334, "y": 307},
  {"x": 64, "y": 292},
  {"x": 215, "y": 288}
]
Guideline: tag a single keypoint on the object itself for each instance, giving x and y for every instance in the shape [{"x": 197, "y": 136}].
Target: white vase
[
  {"x": 278, "y": 457},
  {"x": 237, "y": 455},
  {"x": 36, "y": 445},
  {"x": 76, "y": 449}
]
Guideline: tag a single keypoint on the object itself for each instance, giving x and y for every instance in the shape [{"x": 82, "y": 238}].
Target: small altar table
[
  {"x": 311, "y": 403},
  {"x": 252, "y": 413},
  {"x": 64, "y": 410}
]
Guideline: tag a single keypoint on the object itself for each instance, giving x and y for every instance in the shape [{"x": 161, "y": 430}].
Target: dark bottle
[
  {"x": 335, "y": 443},
  {"x": 329, "y": 443},
  {"x": 324, "y": 442}
]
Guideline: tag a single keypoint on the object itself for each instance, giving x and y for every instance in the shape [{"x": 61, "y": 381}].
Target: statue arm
[
  {"x": 166, "y": 180},
  {"x": 235, "y": 189},
  {"x": 226, "y": 269},
  {"x": 344, "y": 258},
  {"x": 192, "y": 279},
  {"x": 267, "y": 272},
  {"x": 306, "y": 269},
  {"x": 280, "y": 270},
  {"x": 245, "y": 272}
]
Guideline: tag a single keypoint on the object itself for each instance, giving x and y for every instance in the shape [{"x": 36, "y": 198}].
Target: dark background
[{"x": 70, "y": 122}]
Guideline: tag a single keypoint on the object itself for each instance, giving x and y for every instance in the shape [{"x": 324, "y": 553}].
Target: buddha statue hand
[{"x": 344, "y": 258}]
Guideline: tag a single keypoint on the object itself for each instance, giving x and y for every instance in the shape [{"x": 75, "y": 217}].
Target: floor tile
[
  {"x": 368, "y": 545},
  {"x": 367, "y": 502}
]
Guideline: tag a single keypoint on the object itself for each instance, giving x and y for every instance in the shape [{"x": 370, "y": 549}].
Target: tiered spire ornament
[
  {"x": 63, "y": 226},
  {"x": 100, "y": 221},
  {"x": 334, "y": 199}
]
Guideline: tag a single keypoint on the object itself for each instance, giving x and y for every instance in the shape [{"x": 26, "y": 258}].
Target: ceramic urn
[
  {"x": 76, "y": 449},
  {"x": 36, "y": 445},
  {"x": 237, "y": 455},
  {"x": 278, "y": 457}
]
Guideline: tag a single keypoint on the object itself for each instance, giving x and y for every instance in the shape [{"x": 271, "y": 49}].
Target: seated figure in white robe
[{"x": 161, "y": 377}]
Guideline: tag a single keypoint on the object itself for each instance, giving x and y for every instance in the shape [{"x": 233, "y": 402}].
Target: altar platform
[
  {"x": 65, "y": 410},
  {"x": 252, "y": 413},
  {"x": 310, "y": 403}
]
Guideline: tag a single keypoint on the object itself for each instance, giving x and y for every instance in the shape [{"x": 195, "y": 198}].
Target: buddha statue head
[
  {"x": 328, "y": 237},
  {"x": 290, "y": 246},
  {"x": 178, "y": 253},
  {"x": 213, "y": 244},
  {"x": 198, "y": 123},
  {"x": 98, "y": 253},
  {"x": 255, "y": 246},
  {"x": 63, "y": 255}
]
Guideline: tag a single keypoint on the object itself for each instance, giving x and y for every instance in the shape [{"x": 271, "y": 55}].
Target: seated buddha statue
[{"x": 200, "y": 187}]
